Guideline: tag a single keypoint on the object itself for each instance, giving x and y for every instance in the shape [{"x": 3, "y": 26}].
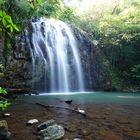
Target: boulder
[
  {"x": 4, "y": 133},
  {"x": 53, "y": 132}
]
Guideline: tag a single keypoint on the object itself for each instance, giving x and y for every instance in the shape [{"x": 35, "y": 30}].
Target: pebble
[
  {"x": 33, "y": 121},
  {"x": 5, "y": 115}
]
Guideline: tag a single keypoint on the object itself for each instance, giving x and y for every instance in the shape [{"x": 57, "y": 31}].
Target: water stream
[{"x": 55, "y": 57}]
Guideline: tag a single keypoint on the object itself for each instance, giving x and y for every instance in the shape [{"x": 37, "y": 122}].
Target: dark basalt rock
[{"x": 95, "y": 69}]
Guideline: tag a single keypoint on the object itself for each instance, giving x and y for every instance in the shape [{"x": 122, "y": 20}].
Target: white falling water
[{"x": 55, "y": 55}]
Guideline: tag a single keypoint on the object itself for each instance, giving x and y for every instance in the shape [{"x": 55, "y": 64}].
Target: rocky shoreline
[{"x": 103, "y": 121}]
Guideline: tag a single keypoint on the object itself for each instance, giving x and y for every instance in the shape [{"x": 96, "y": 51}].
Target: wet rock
[
  {"x": 4, "y": 133},
  {"x": 134, "y": 134},
  {"x": 33, "y": 121},
  {"x": 68, "y": 101},
  {"x": 5, "y": 115},
  {"x": 3, "y": 123},
  {"x": 81, "y": 111},
  {"x": 44, "y": 125},
  {"x": 109, "y": 135},
  {"x": 77, "y": 139},
  {"x": 53, "y": 132}
]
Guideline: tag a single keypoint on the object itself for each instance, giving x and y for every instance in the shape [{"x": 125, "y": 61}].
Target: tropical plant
[
  {"x": 3, "y": 101},
  {"x": 136, "y": 71},
  {"x": 117, "y": 31}
]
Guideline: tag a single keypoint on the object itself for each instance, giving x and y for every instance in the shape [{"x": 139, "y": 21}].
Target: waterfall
[{"x": 55, "y": 57}]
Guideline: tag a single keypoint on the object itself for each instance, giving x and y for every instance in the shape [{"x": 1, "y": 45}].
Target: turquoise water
[{"x": 88, "y": 98}]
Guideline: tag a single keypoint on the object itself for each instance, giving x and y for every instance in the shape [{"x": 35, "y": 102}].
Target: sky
[
  {"x": 84, "y": 5},
  {"x": 86, "y": 2}
]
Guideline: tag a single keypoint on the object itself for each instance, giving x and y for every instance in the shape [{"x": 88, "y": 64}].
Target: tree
[{"x": 117, "y": 31}]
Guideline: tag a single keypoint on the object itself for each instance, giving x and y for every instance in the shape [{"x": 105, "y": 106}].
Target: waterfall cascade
[{"x": 55, "y": 57}]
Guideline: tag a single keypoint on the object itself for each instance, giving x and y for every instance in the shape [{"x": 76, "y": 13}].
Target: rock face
[
  {"x": 18, "y": 68},
  {"x": 18, "y": 73},
  {"x": 95, "y": 70}
]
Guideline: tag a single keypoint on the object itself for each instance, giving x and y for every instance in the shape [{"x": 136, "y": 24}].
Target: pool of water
[{"x": 88, "y": 98}]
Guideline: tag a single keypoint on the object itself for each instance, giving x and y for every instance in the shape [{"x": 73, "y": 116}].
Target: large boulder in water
[{"x": 53, "y": 132}]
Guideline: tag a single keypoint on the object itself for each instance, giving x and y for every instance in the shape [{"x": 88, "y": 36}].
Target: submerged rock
[
  {"x": 68, "y": 101},
  {"x": 4, "y": 133},
  {"x": 53, "y": 132}
]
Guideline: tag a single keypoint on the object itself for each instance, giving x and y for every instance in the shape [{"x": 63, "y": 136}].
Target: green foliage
[
  {"x": 14, "y": 14},
  {"x": 3, "y": 91},
  {"x": 117, "y": 30},
  {"x": 120, "y": 37},
  {"x": 136, "y": 71},
  {"x": 6, "y": 22},
  {"x": 8, "y": 27},
  {"x": 4, "y": 105},
  {"x": 40, "y": 2},
  {"x": 1, "y": 70},
  {"x": 68, "y": 15}
]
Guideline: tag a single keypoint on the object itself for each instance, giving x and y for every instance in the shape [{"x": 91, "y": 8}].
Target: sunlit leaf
[
  {"x": 16, "y": 28},
  {"x": 40, "y": 2},
  {"x": 11, "y": 28},
  {"x": 1, "y": 13},
  {"x": 4, "y": 22},
  {"x": 1, "y": 1}
]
